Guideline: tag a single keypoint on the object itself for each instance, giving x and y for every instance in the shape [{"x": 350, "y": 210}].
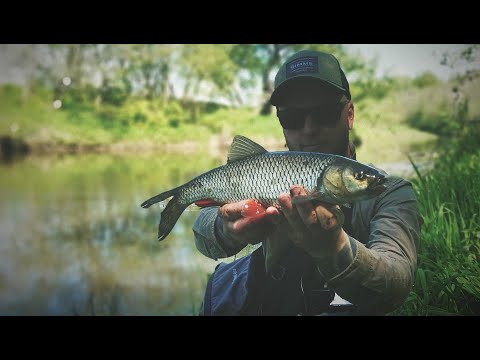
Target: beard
[{"x": 337, "y": 147}]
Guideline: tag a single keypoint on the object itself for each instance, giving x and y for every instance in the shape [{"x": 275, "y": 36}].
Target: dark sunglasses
[{"x": 294, "y": 118}]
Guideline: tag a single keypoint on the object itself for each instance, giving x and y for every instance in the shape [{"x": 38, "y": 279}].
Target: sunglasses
[{"x": 327, "y": 115}]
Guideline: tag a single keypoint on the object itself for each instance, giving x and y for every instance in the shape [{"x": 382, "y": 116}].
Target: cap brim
[{"x": 280, "y": 90}]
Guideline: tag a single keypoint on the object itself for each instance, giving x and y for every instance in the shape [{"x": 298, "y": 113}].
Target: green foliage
[
  {"x": 114, "y": 95},
  {"x": 175, "y": 113},
  {"x": 426, "y": 79},
  {"x": 440, "y": 121},
  {"x": 448, "y": 274},
  {"x": 208, "y": 64},
  {"x": 11, "y": 93},
  {"x": 74, "y": 98}
]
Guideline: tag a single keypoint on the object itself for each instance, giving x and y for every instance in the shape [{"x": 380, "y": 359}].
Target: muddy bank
[
  {"x": 10, "y": 148},
  {"x": 217, "y": 146}
]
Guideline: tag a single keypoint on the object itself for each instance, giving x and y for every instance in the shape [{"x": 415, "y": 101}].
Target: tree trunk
[
  {"x": 267, "y": 84},
  {"x": 165, "y": 83},
  {"x": 267, "y": 91}
]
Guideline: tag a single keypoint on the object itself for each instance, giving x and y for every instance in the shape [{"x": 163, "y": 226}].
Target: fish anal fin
[{"x": 243, "y": 147}]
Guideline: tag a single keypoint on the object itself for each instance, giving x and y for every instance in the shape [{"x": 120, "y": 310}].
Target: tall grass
[{"x": 448, "y": 272}]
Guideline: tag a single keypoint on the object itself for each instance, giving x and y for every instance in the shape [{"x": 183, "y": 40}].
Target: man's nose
[{"x": 310, "y": 124}]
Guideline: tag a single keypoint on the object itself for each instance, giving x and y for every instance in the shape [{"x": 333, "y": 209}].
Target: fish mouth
[{"x": 377, "y": 184}]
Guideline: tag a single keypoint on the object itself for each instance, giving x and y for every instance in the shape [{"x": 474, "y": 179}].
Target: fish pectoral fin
[
  {"x": 317, "y": 196},
  {"x": 302, "y": 199}
]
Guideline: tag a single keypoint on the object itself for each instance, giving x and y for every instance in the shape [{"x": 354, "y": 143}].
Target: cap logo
[{"x": 307, "y": 64}]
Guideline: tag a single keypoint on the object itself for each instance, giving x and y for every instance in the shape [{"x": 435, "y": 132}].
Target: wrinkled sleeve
[
  {"x": 209, "y": 237},
  {"x": 380, "y": 275}
]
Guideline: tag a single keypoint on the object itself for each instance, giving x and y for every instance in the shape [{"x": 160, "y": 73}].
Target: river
[{"x": 75, "y": 241}]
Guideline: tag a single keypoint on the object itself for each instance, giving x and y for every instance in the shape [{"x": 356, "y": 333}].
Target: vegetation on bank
[
  {"x": 448, "y": 273},
  {"x": 403, "y": 120}
]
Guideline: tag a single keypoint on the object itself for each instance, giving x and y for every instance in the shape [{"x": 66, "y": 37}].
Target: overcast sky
[{"x": 410, "y": 59}]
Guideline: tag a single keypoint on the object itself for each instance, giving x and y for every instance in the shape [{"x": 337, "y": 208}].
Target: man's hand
[
  {"x": 312, "y": 227},
  {"x": 246, "y": 230}
]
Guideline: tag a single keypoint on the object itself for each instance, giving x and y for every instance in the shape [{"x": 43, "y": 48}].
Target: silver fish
[{"x": 252, "y": 172}]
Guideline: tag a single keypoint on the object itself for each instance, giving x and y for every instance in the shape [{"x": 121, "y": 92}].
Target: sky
[{"x": 410, "y": 59}]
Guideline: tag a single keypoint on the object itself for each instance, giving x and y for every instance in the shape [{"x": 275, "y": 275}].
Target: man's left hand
[{"x": 311, "y": 226}]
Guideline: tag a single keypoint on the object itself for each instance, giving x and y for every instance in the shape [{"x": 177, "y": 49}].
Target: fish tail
[
  {"x": 169, "y": 217},
  {"x": 172, "y": 211},
  {"x": 160, "y": 197}
]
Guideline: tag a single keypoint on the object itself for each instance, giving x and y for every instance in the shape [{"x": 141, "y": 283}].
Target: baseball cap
[{"x": 310, "y": 64}]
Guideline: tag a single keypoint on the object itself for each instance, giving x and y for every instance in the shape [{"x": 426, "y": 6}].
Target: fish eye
[{"x": 359, "y": 176}]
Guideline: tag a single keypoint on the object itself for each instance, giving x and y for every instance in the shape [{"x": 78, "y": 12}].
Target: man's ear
[{"x": 350, "y": 114}]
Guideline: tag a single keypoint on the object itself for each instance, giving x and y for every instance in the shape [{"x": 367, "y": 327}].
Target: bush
[
  {"x": 173, "y": 123},
  {"x": 12, "y": 94},
  {"x": 175, "y": 113},
  {"x": 140, "y": 117},
  {"x": 426, "y": 79},
  {"x": 109, "y": 116},
  {"x": 440, "y": 121},
  {"x": 114, "y": 95}
]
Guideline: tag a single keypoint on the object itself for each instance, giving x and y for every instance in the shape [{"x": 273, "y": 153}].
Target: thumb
[{"x": 274, "y": 215}]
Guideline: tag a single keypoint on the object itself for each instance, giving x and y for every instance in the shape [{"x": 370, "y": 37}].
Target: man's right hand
[{"x": 246, "y": 230}]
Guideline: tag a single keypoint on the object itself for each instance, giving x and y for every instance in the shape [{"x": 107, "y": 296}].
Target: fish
[{"x": 251, "y": 172}]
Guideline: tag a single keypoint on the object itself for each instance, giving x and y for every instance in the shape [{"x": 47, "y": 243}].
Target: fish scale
[{"x": 261, "y": 177}]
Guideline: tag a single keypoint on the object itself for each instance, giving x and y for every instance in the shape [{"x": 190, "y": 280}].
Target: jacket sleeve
[
  {"x": 380, "y": 274},
  {"x": 209, "y": 237}
]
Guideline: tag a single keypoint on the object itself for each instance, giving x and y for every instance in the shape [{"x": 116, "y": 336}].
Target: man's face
[{"x": 319, "y": 133}]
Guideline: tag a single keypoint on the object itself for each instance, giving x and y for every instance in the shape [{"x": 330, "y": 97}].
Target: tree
[
  {"x": 208, "y": 66},
  {"x": 467, "y": 58},
  {"x": 262, "y": 61},
  {"x": 149, "y": 68}
]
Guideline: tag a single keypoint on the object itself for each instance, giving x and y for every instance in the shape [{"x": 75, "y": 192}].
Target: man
[{"x": 368, "y": 259}]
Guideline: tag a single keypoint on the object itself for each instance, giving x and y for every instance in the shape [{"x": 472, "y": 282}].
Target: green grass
[{"x": 448, "y": 273}]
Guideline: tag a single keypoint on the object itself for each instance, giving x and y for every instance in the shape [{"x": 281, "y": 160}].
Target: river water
[{"x": 74, "y": 239}]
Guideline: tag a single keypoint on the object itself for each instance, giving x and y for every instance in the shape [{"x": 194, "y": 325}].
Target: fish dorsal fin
[{"x": 243, "y": 147}]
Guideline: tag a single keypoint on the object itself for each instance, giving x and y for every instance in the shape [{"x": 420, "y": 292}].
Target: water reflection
[{"x": 74, "y": 239}]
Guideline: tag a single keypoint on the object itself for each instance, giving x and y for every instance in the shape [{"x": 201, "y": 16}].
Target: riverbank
[{"x": 448, "y": 272}]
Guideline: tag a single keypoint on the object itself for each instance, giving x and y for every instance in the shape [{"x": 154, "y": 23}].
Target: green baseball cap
[{"x": 310, "y": 64}]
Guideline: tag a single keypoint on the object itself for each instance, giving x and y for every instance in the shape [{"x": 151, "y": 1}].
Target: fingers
[
  {"x": 243, "y": 224},
  {"x": 249, "y": 230},
  {"x": 296, "y": 227},
  {"x": 297, "y": 215},
  {"x": 289, "y": 211},
  {"x": 304, "y": 214},
  {"x": 273, "y": 215},
  {"x": 232, "y": 211},
  {"x": 330, "y": 217},
  {"x": 305, "y": 210}
]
